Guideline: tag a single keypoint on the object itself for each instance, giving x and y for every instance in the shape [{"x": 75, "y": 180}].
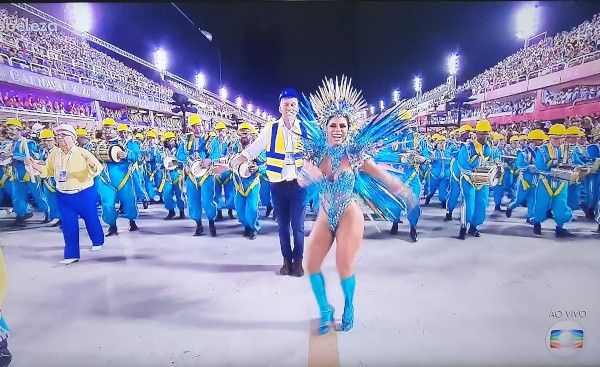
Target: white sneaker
[
  {"x": 68, "y": 261},
  {"x": 96, "y": 248}
]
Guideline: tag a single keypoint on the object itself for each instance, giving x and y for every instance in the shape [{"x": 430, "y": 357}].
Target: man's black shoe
[
  {"x": 462, "y": 233},
  {"x": 212, "y": 229},
  {"x": 394, "y": 229},
  {"x": 537, "y": 228},
  {"x": 199, "y": 228},
  {"x": 171, "y": 215},
  {"x": 413, "y": 234},
  {"x": 111, "y": 231}
]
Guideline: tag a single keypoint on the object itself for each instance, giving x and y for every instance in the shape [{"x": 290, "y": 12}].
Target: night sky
[{"x": 266, "y": 46}]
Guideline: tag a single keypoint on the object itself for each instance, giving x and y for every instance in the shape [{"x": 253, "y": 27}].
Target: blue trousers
[
  {"x": 20, "y": 196},
  {"x": 442, "y": 184},
  {"x": 6, "y": 190},
  {"x": 225, "y": 183},
  {"x": 591, "y": 186},
  {"x": 415, "y": 213},
  {"x": 73, "y": 206},
  {"x": 138, "y": 183},
  {"x": 557, "y": 201},
  {"x": 522, "y": 195},
  {"x": 194, "y": 199},
  {"x": 108, "y": 196},
  {"x": 265, "y": 192},
  {"x": 573, "y": 196},
  {"x": 207, "y": 192},
  {"x": 453, "y": 195},
  {"x": 246, "y": 207},
  {"x": 289, "y": 203},
  {"x": 475, "y": 202},
  {"x": 172, "y": 191},
  {"x": 51, "y": 200}
]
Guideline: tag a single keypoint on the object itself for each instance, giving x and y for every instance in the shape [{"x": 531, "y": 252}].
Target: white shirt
[{"x": 259, "y": 145}]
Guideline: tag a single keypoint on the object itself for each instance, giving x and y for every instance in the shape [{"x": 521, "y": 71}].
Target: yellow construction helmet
[
  {"x": 246, "y": 125},
  {"x": 46, "y": 134},
  {"x": 513, "y": 138},
  {"x": 14, "y": 122},
  {"x": 573, "y": 130},
  {"x": 465, "y": 128},
  {"x": 168, "y": 135},
  {"x": 212, "y": 133},
  {"x": 108, "y": 122},
  {"x": 220, "y": 126},
  {"x": 122, "y": 127},
  {"x": 581, "y": 133},
  {"x": 557, "y": 129},
  {"x": 194, "y": 119},
  {"x": 139, "y": 136},
  {"x": 523, "y": 137},
  {"x": 81, "y": 132},
  {"x": 435, "y": 136},
  {"x": 151, "y": 133},
  {"x": 497, "y": 136},
  {"x": 483, "y": 126},
  {"x": 537, "y": 134},
  {"x": 440, "y": 138}
]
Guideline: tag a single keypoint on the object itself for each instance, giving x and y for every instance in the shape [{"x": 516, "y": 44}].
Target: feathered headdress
[{"x": 337, "y": 98}]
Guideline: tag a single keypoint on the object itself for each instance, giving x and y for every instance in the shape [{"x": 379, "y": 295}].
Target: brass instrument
[{"x": 411, "y": 157}]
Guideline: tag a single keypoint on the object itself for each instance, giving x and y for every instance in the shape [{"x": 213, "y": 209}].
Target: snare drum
[
  {"x": 485, "y": 176},
  {"x": 196, "y": 169},
  {"x": 170, "y": 163},
  {"x": 569, "y": 173},
  {"x": 107, "y": 153}
]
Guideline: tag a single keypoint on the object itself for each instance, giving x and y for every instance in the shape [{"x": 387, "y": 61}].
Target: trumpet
[{"x": 412, "y": 157}]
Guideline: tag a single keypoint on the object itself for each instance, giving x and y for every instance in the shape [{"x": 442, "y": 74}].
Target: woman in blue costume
[{"x": 338, "y": 160}]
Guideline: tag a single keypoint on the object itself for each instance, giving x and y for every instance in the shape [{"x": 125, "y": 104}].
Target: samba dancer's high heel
[
  {"x": 318, "y": 286},
  {"x": 348, "y": 286}
]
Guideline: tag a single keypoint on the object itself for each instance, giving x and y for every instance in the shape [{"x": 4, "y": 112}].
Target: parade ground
[{"x": 161, "y": 297}]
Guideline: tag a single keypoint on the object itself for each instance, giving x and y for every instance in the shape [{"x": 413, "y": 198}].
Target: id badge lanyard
[{"x": 62, "y": 173}]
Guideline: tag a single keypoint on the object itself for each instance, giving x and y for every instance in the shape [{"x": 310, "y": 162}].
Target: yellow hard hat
[
  {"x": 81, "y": 132},
  {"x": 483, "y": 126},
  {"x": 46, "y": 134},
  {"x": 212, "y": 133},
  {"x": 246, "y": 125},
  {"x": 168, "y": 135},
  {"x": 497, "y": 136},
  {"x": 194, "y": 119},
  {"x": 537, "y": 134},
  {"x": 139, "y": 136},
  {"x": 523, "y": 137},
  {"x": 404, "y": 115},
  {"x": 220, "y": 126},
  {"x": 151, "y": 133},
  {"x": 108, "y": 122},
  {"x": 573, "y": 130},
  {"x": 440, "y": 138},
  {"x": 464, "y": 128},
  {"x": 14, "y": 122},
  {"x": 122, "y": 127},
  {"x": 435, "y": 136},
  {"x": 513, "y": 138},
  {"x": 557, "y": 129},
  {"x": 581, "y": 133},
  {"x": 454, "y": 132}
]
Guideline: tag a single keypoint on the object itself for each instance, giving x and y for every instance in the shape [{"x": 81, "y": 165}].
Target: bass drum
[{"x": 108, "y": 153}]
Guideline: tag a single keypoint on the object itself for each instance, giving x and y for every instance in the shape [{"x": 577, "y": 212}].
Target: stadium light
[
  {"x": 381, "y": 104},
  {"x": 372, "y": 109},
  {"x": 257, "y": 111},
  {"x": 250, "y": 107},
  {"x": 160, "y": 59},
  {"x": 527, "y": 21},
  {"x": 79, "y": 15},
  {"x": 264, "y": 115},
  {"x": 452, "y": 63},
  {"x": 417, "y": 84},
  {"x": 239, "y": 102},
  {"x": 396, "y": 96},
  {"x": 223, "y": 93},
  {"x": 200, "y": 81}
]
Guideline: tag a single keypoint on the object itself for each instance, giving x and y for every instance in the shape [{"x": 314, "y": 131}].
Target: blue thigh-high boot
[
  {"x": 318, "y": 286},
  {"x": 348, "y": 285}
]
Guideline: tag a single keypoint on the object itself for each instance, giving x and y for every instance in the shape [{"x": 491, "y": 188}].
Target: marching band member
[
  {"x": 527, "y": 179},
  {"x": 134, "y": 149},
  {"x": 551, "y": 192},
  {"x": 463, "y": 134},
  {"x": 411, "y": 166},
  {"x": 207, "y": 188},
  {"x": 23, "y": 183},
  {"x": 172, "y": 177},
  {"x": 574, "y": 156},
  {"x": 48, "y": 144},
  {"x": 220, "y": 149},
  {"x": 193, "y": 147},
  {"x": 440, "y": 170},
  {"x": 247, "y": 188},
  {"x": 152, "y": 174},
  {"x": 116, "y": 179},
  {"x": 83, "y": 140},
  {"x": 507, "y": 180},
  {"x": 472, "y": 155},
  {"x": 265, "y": 186}
]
